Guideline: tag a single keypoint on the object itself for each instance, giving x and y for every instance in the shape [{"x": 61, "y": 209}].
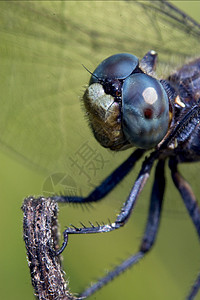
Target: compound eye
[
  {"x": 145, "y": 111},
  {"x": 117, "y": 66}
]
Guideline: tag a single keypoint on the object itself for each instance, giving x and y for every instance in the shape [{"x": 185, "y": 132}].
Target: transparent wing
[{"x": 43, "y": 47}]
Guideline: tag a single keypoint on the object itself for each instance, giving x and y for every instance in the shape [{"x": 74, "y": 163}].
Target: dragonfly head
[{"x": 125, "y": 106}]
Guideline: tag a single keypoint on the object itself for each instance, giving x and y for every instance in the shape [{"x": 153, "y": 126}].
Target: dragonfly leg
[
  {"x": 187, "y": 194},
  {"x": 191, "y": 204},
  {"x": 149, "y": 235},
  {"x": 108, "y": 184},
  {"x": 126, "y": 210},
  {"x": 195, "y": 288}
]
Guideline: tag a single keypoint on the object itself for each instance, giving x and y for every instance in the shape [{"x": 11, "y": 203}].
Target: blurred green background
[{"x": 166, "y": 273}]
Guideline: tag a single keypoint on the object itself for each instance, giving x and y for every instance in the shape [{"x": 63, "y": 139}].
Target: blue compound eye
[
  {"x": 145, "y": 111},
  {"x": 117, "y": 66}
]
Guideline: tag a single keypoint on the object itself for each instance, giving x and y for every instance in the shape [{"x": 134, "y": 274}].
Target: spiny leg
[
  {"x": 126, "y": 210},
  {"x": 149, "y": 235},
  {"x": 191, "y": 204},
  {"x": 187, "y": 194},
  {"x": 155, "y": 208},
  {"x": 108, "y": 184}
]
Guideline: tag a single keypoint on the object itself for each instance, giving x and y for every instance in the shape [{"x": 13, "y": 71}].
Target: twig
[{"x": 41, "y": 237}]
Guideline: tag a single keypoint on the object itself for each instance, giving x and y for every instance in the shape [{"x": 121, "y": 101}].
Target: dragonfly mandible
[{"x": 43, "y": 48}]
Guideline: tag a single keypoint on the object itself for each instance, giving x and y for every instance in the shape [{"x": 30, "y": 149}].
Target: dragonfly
[{"x": 41, "y": 82}]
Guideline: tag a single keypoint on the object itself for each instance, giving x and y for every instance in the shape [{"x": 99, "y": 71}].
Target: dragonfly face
[
  {"x": 125, "y": 106},
  {"x": 43, "y": 47}
]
